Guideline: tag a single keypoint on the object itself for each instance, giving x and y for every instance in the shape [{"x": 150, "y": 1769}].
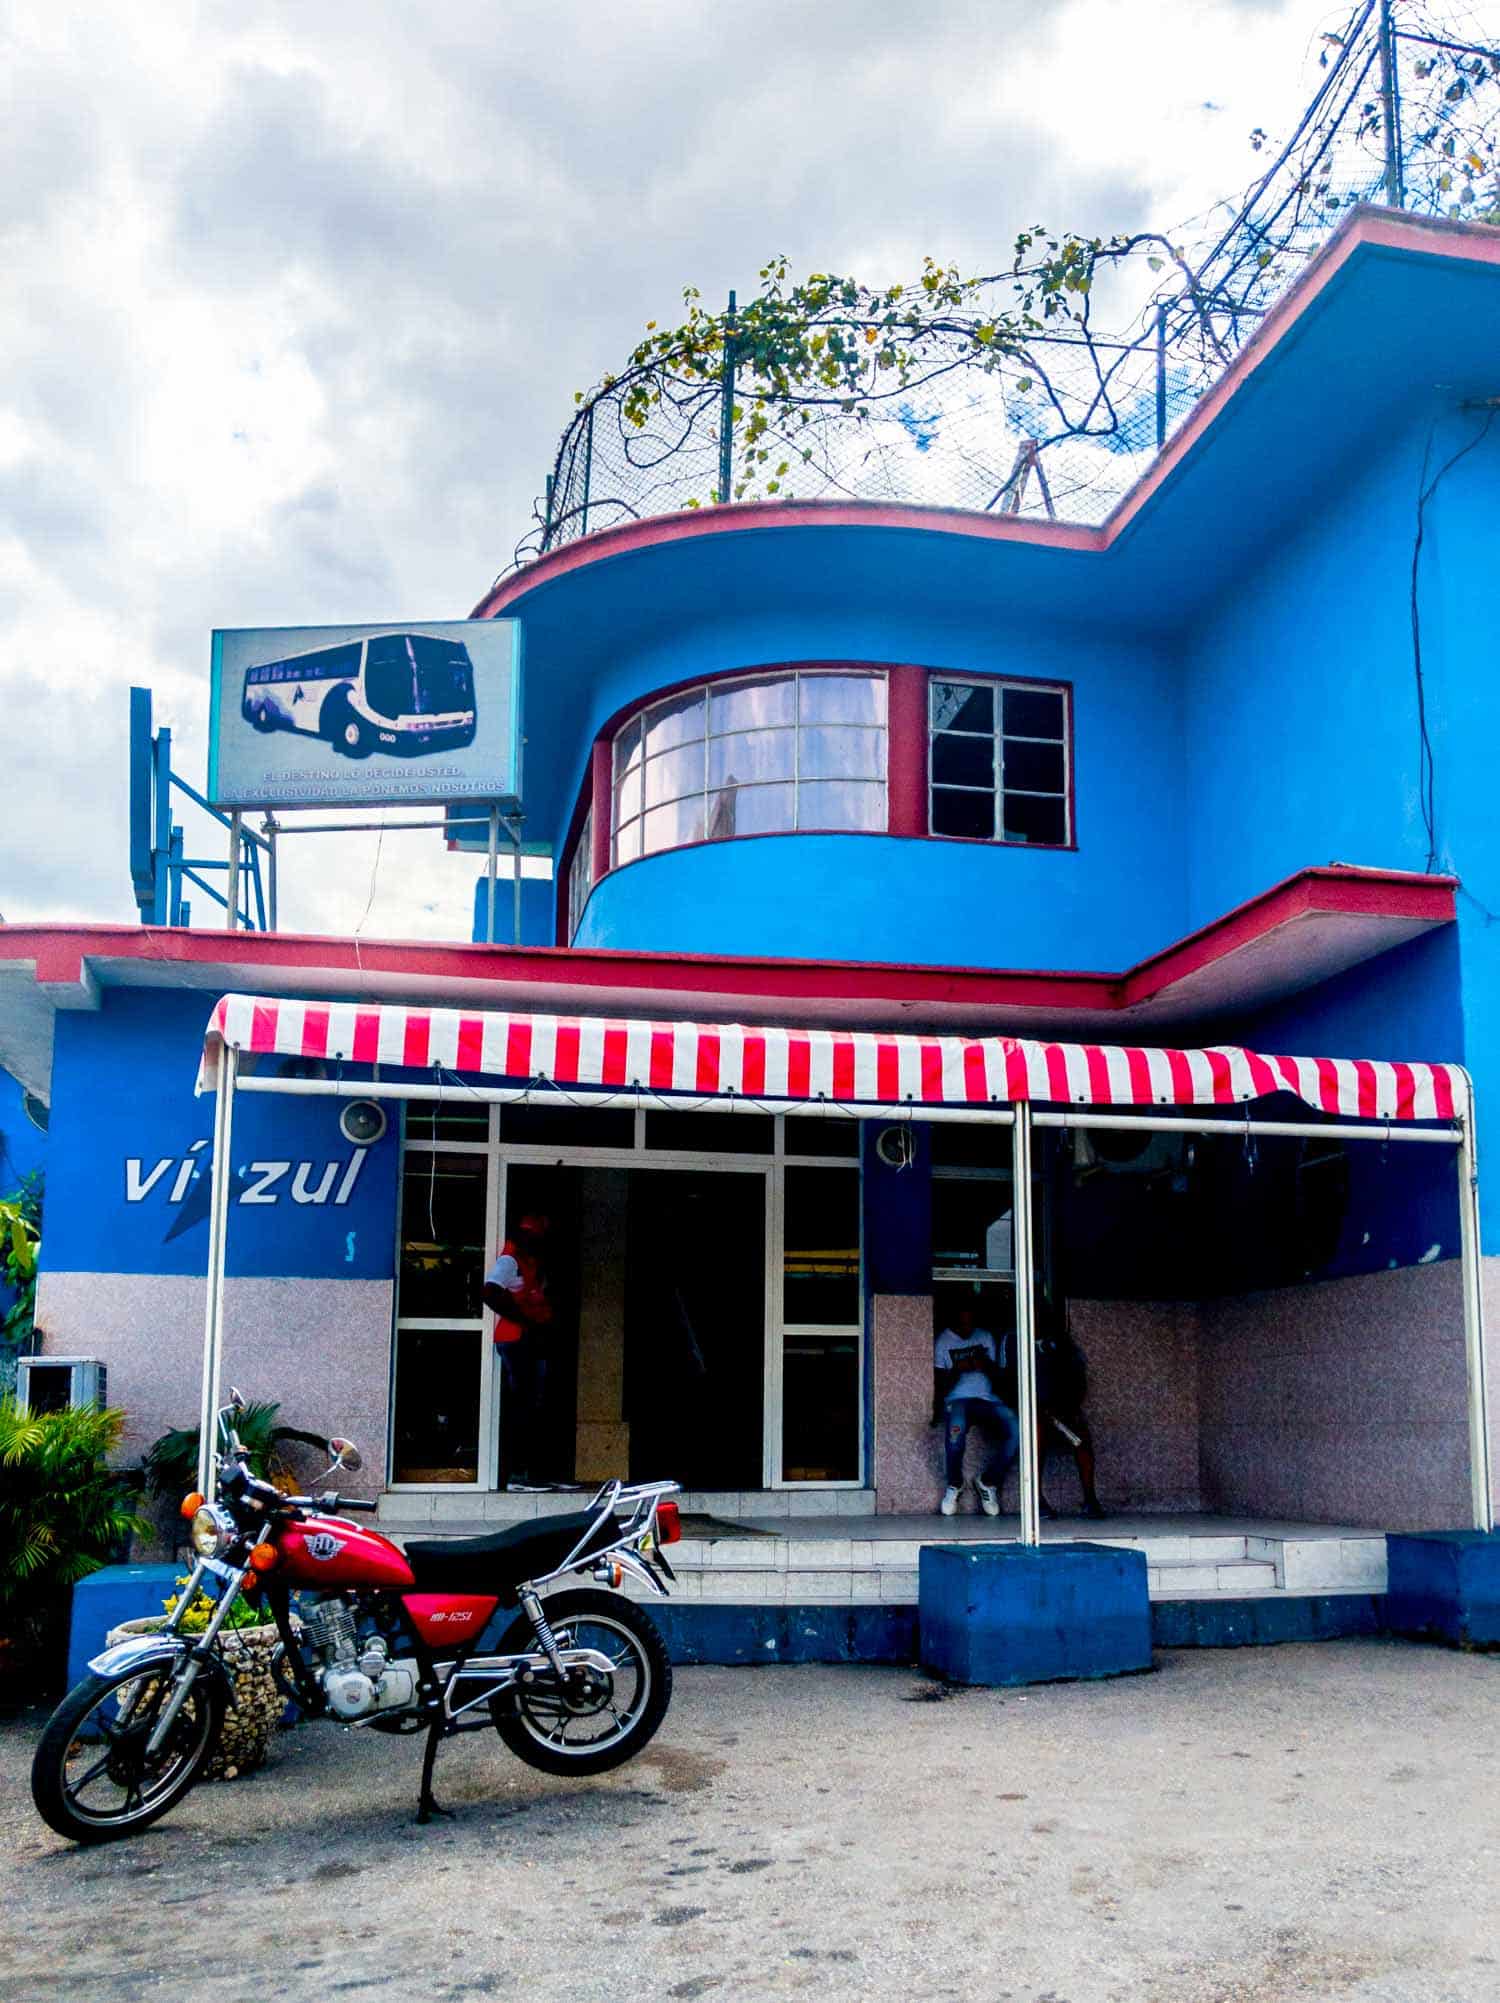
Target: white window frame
[
  {"x": 999, "y": 738},
  {"x": 707, "y": 690},
  {"x": 773, "y": 1165}
]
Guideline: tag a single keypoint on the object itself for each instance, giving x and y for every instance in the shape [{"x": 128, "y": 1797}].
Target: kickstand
[{"x": 426, "y": 1806}]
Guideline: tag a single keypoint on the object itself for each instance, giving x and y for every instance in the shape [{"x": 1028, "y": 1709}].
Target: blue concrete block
[
  {"x": 1445, "y": 1585},
  {"x": 113, "y": 1594},
  {"x": 766, "y": 1634},
  {"x": 1011, "y": 1613},
  {"x": 1259, "y": 1623}
]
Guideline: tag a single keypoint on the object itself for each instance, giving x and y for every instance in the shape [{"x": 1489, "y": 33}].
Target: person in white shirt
[{"x": 970, "y": 1371}]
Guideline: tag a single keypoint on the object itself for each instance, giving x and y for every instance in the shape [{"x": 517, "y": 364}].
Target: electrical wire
[{"x": 1426, "y": 766}]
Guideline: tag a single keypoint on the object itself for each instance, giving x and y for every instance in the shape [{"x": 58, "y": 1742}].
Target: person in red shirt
[{"x": 515, "y": 1289}]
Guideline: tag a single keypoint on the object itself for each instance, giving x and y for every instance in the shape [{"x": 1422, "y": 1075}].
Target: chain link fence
[{"x": 1406, "y": 112}]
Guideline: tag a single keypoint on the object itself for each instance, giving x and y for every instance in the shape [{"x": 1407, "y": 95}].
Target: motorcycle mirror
[{"x": 346, "y": 1455}]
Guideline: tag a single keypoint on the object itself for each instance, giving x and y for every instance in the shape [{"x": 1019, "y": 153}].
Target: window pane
[
  {"x": 673, "y": 774},
  {"x": 463, "y": 1121},
  {"x": 442, "y": 1235},
  {"x": 820, "y": 1408},
  {"x": 1033, "y": 768},
  {"x": 712, "y": 1133},
  {"x": 1028, "y": 819},
  {"x": 841, "y": 698},
  {"x": 670, "y": 827},
  {"x": 628, "y": 842},
  {"x": 628, "y": 746},
  {"x": 569, "y": 1126},
  {"x": 829, "y": 752},
  {"x": 963, "y": 761},
  {"x": 841, "y": 803},
  {"x": 821, "y": 1258},
  {"x": 971, "y": 1225},
  {"x": 751, "y": 810},
  {"x": 750, "y": 755},
  {"x": 628, "y": 796},
  {"x": 437, "y": 1404},
  {"x": 1033, "y": 713},
  {"x": 744, "y": 705},
  {"x": 677, "y": 721},
  {"x": 963, "y": 814},
  {"x": 958, "y": 706},
  {"x": 835, "y": 1138}
]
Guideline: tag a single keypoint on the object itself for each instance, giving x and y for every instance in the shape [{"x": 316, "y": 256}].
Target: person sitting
[
  {"x": 1061, "y": 1388},
  {"x": 969, "y": 1366}
]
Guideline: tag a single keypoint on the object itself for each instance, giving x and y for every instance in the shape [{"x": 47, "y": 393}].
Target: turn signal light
[
  {"x": 668, "y": 1524},
  {"x": 191, "y": 1504},
  {"x": 264, "y": 1557}
]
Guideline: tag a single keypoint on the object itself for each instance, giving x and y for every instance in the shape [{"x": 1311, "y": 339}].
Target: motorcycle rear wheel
[
  {"x": 587, "y": 1734},
  {"x": 94, "y": 1742}
]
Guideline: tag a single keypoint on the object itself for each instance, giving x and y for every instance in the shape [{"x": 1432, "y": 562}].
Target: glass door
[
  {"x": 817, "y": 1435},
  {"x": 441, "y": 1436}
]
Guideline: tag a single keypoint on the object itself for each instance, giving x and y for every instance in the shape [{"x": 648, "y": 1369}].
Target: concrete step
[
  {"x": 1184, "y": 1582},
  {"x": 459, "y": 1512}
]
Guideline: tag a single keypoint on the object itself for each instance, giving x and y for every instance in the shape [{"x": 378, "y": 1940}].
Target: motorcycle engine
[{"x": 358, "y": 1676}]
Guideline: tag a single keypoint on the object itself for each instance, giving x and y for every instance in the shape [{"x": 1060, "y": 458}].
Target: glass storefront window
[
  {"x": 821, "y": 1248},
  {"x": 820, "y": 1408},
  {"x": 437, "y": 1404},
  {"x": 442, "y": 1235}
]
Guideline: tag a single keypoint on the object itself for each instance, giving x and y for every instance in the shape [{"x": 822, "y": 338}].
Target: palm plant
[
  {"x": 171, "y": 1464},
  {"x": 64, "y": 1512}
]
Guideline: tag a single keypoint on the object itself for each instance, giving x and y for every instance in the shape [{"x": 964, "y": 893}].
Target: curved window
[{"x": 799, "y": 751}]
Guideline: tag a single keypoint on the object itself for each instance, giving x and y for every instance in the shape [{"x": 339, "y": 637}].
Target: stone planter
[{"x": 258, "y": 1703}]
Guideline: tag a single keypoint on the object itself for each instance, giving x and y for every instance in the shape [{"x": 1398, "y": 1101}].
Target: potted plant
[
  {"x": 171, "y": 1463},
  {"x": 247, "y": 1645},
  {"x": 64, "y": 1512}
]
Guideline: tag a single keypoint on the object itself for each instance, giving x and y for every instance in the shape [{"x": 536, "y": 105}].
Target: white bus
[{"x": 394, "y": 692}]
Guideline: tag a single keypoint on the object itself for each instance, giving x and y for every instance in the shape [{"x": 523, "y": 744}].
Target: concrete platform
[{"x": 835, "y": 1557}]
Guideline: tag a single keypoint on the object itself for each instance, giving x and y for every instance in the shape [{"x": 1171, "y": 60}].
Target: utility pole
[{"x": 1390, "y": 108}]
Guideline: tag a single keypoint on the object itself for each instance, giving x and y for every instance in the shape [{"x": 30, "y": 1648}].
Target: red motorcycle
[{"x": 378, "y": 1636}]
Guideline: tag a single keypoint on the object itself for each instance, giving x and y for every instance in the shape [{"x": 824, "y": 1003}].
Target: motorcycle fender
[{"x": 150, "y": 1651}]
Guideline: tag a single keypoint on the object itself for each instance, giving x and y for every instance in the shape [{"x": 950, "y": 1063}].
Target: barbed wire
[{"x": 1033, "y": 412}]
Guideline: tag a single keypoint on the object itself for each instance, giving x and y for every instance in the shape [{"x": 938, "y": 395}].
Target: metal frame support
[
  {"x": 1472, "y": 1282},
  {"x": 1390, "y": 109},
  {"x": 1023, "y": 1250},
  {"x": 493, "y": 875},
  {"x": 232, "y": 888},
  {"x": 1161, "y": 374},
  {"x": 726, "y": 412},
  {"x": 218, "y": 1235}
]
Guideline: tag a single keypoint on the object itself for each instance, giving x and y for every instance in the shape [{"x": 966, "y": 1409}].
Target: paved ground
[{"x": 1266, "y": 1826}]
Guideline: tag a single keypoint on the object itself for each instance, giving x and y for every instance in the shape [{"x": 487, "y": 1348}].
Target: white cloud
[{"x": 298, "y": 299}]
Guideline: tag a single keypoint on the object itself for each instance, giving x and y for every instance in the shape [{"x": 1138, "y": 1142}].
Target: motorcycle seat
[{"x": 500, "y": 1560}]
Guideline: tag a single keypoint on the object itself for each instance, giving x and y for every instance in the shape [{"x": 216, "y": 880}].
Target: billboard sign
[{"x": 366, "y": 716}]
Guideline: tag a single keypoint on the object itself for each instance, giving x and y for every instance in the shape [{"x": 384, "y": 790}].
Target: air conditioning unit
[{"x": 53, "y": 1383}]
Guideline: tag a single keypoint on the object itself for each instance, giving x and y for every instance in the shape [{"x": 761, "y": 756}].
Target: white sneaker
[
  {"x": 989, "y": 1498},
  {"x": 949, "y": 1504}
]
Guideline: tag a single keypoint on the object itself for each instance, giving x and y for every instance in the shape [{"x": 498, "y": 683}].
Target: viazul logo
[{"x": 182, "y": 1182}]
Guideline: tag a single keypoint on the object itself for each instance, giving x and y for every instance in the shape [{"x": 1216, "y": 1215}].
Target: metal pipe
[
  {"x": 269, "y": 837},
  {"x": 726, "y": 410},
  {"x": 1161, "y": 375},
  {"x": 232, "y": 894},
  {"x": 1302, "y": 1130},
  {"x": 1025, "y": 1338},
  {"x": 584, "y": 1096},
  {"x": 1390, "y": 110},
  {"x": 360, "y": 827},
  {"x": 218, "y": 1232},
  {"x": 493, "y": 875},
  {"x": 1471, "y": 1279}
]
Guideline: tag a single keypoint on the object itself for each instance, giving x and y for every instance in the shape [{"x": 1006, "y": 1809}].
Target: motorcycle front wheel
[
  {"x": 92, "y": 1778},
  {"x": 589, "y": 1726}
]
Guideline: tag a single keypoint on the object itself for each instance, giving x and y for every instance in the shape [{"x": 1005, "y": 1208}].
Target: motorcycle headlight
[{"x": 211, "y": 1532}]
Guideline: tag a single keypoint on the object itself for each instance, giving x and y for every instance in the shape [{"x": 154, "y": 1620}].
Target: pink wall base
[{"x": 320, "y": 1348}]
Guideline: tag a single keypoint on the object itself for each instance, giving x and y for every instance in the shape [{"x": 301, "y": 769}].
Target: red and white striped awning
[{"x": 842, "y": 1066}]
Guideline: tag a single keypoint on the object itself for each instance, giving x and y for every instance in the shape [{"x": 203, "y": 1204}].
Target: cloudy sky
[{"x": 297, "y": 298}]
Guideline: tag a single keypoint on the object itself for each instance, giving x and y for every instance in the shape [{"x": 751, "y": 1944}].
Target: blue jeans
[{"x": 998, "y": 1420}]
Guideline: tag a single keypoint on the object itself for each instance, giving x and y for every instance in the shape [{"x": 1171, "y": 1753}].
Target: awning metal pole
[
  {"x": 1471, "y": 1279},
  {"x": 218, "y": 1232},
  {"x": 1022, "y": 1255}
]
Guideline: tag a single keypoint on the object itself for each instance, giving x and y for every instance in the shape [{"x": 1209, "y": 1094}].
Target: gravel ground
[{"x": 1237, "y": 1827}]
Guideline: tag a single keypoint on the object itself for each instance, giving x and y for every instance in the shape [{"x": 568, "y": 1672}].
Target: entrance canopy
[{"x": 733, "y": 1060}]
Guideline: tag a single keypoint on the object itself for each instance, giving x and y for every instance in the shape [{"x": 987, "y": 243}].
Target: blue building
[{"x": 1217, "y": 773}]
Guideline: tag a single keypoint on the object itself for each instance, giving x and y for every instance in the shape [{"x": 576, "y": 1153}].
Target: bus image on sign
[{"x": 402, "y": 693}]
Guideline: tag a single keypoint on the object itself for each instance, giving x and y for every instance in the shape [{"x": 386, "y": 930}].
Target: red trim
[
  {"x": 1367, "y": 227},
  {"x": 906, "y": 748},
  {"x": 58, "y": 955}
]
